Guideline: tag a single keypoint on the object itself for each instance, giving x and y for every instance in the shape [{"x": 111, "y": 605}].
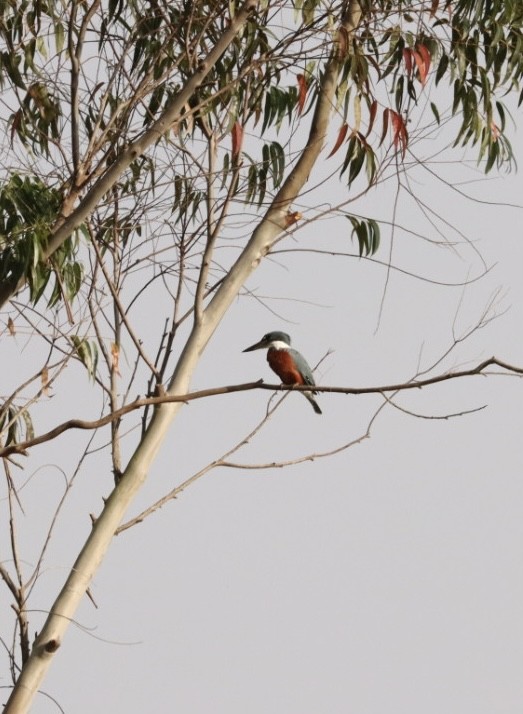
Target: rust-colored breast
[{"x": 281, "y": 362}]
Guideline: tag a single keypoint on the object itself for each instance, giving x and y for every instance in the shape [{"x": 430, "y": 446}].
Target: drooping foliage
[{"x": 82, "y": 81}]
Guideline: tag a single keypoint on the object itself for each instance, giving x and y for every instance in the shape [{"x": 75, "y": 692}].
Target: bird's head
[{"x": 277, "y": 340}]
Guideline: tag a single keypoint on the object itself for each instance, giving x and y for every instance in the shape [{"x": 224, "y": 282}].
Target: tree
[{"x": 138, "y": 136}]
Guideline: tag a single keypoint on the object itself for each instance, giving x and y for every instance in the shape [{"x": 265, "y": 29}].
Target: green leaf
[
  {"x": 87, "y": 352},
  {"x": 442, "y": 68},
  {"x": 11, "y": 61},
  {"x": 59, "y": 36},
  {"x": 28, "y": 424},
  {"x": 20, "y": 424},
  {"x": 307, "y": 11},
  {"x": 356, "y": 163},
  {"x": 277, "y": 158},
  {"x": 367, "y": 232},
  {"x": 370, "y": 164}
]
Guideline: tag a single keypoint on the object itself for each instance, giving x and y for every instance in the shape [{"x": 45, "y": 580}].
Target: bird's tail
[{"x": 315, "y": 405}]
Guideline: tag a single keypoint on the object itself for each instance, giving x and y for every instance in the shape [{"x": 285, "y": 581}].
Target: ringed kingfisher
[{"x": 288, "y": 364}]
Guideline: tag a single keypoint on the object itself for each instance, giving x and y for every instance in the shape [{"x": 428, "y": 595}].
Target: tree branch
[
  {"x": 136, "y": 148},
  {"x": 479, "y": 369},
  {"x": 274, "y": 221}
]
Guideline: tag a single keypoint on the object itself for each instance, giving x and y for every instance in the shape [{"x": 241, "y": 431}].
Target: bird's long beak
[{"x": 258, "y": 346}]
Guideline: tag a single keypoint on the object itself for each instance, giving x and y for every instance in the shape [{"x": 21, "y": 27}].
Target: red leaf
[
  {"x": 372, "y": 117},
  {"x": 434, "y": 7},
  {"x": 396, "y": 128},
  {"x": 339, "y": 141},
  {"x": 399, "y": 132},
  {"x": 237, "y": 139},
  {"x": 291, "y": 218},
  {"x": 423, "y": 59},
  {"x": 425, "y": 53},
  {"x": 302, "y": 92}
]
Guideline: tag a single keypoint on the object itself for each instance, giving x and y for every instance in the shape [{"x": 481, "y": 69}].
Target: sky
[{"x": 385, "y": 578}]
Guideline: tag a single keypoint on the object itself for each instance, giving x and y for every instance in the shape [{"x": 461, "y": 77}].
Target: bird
[{"x": 290, "y": 366}]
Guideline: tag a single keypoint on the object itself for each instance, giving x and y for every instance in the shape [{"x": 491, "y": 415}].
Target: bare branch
[
  {"x": 248, "y": 386},
  {"x": 222, "y": 462}
]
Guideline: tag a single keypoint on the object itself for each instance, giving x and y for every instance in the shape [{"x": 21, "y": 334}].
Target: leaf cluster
[
  {"x": 18, "y": 423},
  {"x": 90, "y": 100},
  {"x": 367, "y": 233},
  {"x": 28, "y": 210}
]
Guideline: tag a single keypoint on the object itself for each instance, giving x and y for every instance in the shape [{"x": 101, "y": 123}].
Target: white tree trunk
[{"x": 274, "y": 222}]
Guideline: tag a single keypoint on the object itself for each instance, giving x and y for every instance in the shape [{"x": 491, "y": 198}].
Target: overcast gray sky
[{"x": 387, "y": 578}]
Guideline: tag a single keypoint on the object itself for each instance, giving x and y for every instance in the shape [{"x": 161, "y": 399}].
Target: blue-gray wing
[{"x": 303, "y": 367}]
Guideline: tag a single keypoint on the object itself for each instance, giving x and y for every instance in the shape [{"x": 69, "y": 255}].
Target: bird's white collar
[{"x": 278, "y": 345}]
